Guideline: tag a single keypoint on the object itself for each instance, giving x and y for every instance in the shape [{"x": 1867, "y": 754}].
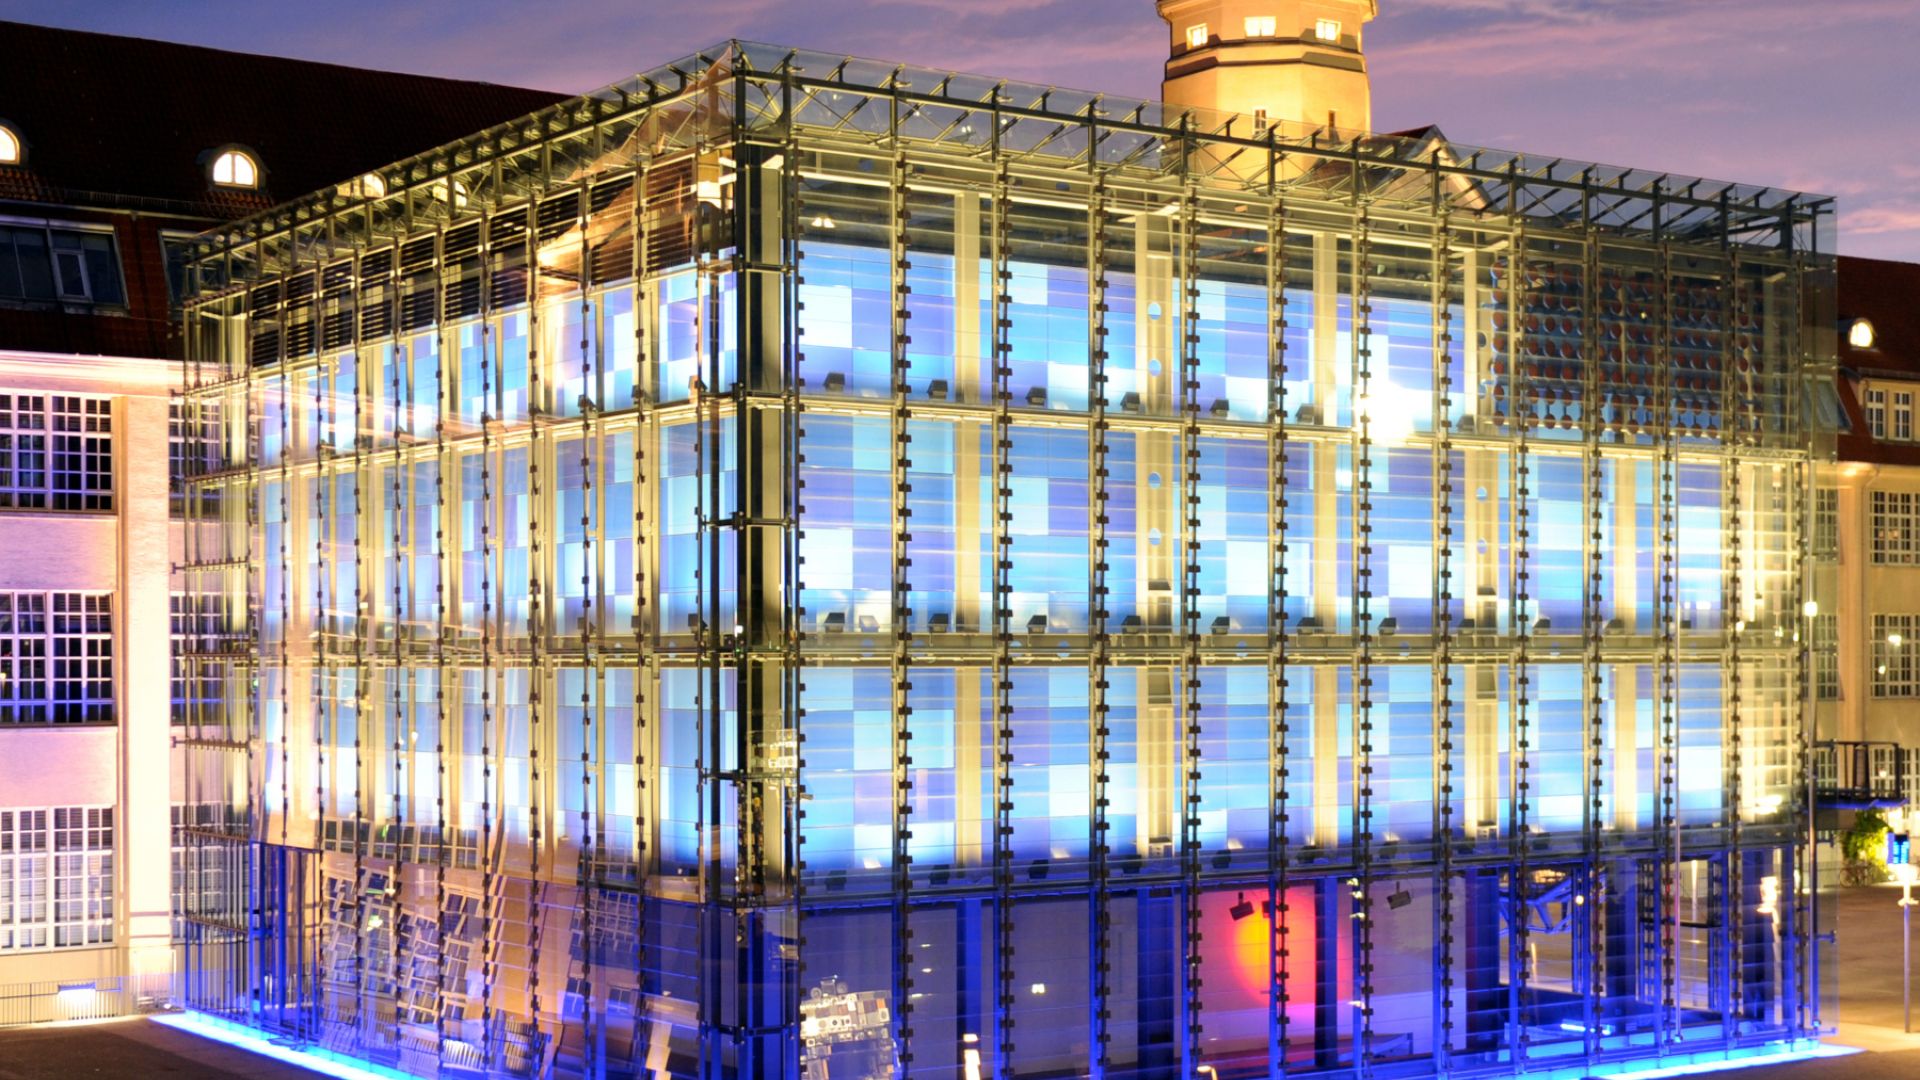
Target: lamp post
[{"x": 1907, "y": 875}]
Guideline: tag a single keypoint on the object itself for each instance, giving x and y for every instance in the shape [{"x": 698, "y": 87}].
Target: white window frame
[
  {"x": 1262, "y": 26},
  {"x": 225, "y": 170},
  {"x": 1896, "y": 528},
  {"x": 1902, "y": 410},
  {"x": 1876, "y": 402},
  {"x": 1198, "y": 35},
  {"x": 57, "y": 886},
  {"x": 1328, "y": 30},
  {"x": 1826, "y": 521},
  {"x": 1895, "y": 674},
  {"x": 55, "y": 231}
]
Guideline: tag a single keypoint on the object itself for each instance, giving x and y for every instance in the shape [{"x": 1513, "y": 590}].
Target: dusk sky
[{"x": 1815, "y": 95}]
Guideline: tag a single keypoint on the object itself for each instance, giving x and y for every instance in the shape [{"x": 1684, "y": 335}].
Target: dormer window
[
  {"x": 235, "y": 168},
  {"x": 1197, "y": 36},
  {"x": 1259, "y": 26},
  {"x": 12, "y": 150},
  {"x": 1327, "y": 29}
]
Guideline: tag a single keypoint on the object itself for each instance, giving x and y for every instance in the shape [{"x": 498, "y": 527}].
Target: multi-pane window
[
  {"x": 1896, "y": 523},
  {"x": 56, "y": 658},
  {"x": 1876, "y": 413},
  {"x": 1903, "y": 415},
  {"x": 197, "y": 627},
  {"x": 59, "y": 265},
  {"x": 56, "y": 877},
  {"x": 1826, "y": 657},
  {"x": 1826, "y": 521},
  {"x": 1262, "y": 25},
  {"x": 1894, "y": 672},
  {"x": 56, "y": 452}
]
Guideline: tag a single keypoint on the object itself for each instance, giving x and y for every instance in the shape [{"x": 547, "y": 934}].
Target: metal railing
[
  {"x": 69, "y": 1000},
  {"x": 1860, "y": 774}
]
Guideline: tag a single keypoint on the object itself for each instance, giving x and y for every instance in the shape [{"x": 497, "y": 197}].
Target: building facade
[
  {"x": 114, "y": 152},
  {"x": 799, "y": 566},
  {"x": 1866, "y": 518}
]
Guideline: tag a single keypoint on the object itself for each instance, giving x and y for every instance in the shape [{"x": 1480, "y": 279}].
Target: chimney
[{"x": 1282, "y": 60}]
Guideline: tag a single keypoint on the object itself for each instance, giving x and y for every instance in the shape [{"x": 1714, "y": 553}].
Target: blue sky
[{"x": 1809, "y": 94}]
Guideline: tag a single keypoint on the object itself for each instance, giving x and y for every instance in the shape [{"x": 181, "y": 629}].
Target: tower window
[
  {"x": 236, "y": 169},
  {"x": 1262, "y": 26},
  {"x": 1327, "y": 29},
  {"x": 10, "y": 150},
  {"x": 1197, "y": 36}
]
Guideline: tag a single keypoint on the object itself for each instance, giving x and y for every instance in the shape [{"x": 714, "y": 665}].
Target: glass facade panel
[{"x": 846, "y": 587}]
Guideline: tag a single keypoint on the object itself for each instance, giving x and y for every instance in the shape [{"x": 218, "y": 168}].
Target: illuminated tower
[{"x": 1297, "y": 60}]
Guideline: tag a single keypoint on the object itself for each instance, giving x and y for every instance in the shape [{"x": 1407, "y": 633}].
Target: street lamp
[{"x": 1906, "y": 875}]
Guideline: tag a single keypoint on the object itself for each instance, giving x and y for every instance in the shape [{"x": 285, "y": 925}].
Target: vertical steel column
[
  {"x": 1595, "y": 420},
  {"x": 902, "y": 589},
  {"x": 1279, "y": 786},
  {"x": 643, "y": 629},
  {"x": 399, "y": 565},
  {"x": 443, "y": 727},
  {"x": 485, "y": 676},
  {"x": 1667, "y": 658},
  {"x": 1189, "y": 689},
  {"x": 362, "y": 690},
  {"x": 1733, "y": 434},
  {"x": 791, "y": 684},
  {"x": 1099, "y": 908},
  {"x": 1002, "y": 614},
  {"x": 708, "y": 451},
  {"x": 537, "y": 615},
  {"x": 593, "y": 663},
  {"x": 1519, "y": 950},
  {"x": 319, "y": 695},
  {"x": 1443, "y": 642},
  {"x": 1363, "y": 471}
]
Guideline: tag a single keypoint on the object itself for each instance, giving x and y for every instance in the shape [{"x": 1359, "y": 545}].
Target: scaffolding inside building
[{"x": 797, "y": 566}]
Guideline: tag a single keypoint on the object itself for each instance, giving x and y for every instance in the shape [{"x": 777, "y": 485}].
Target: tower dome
[{"x": 1283, "y": 60}]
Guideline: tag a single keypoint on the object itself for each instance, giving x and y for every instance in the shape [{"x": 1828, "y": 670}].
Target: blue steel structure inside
[{"x": 793, "y": 566}]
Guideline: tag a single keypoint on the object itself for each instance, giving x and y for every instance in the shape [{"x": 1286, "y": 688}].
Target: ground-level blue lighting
[
  {"x": 1701, "y": 1063},
  {"x": 317, "y": 1059}
]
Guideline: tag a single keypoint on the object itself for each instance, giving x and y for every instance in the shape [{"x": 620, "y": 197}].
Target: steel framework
[{"x": 1211, "y": 599}]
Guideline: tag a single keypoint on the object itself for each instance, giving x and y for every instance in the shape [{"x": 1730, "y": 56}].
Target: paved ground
[
  {"x": 1869, "y": 1016},
  {"x": 130, "y": 1050}
]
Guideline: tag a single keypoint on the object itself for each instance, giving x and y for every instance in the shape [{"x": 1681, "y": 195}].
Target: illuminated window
[
  {"x": 1896, "y": 521},
  {"x": 1894, "y": 672},
  {"x": 56, "y": 453},
  {"x": 1877, "y": 413},
  {"x": 59, "y": 669},
  {"x": 56, "y": 884},
  {"x": 1327, "y": 29},
  {"x": 1261, "y": 26},
  {"x": 1826, "y": 660},
  {"x": 1826, "y": 521},
  {"x": 1860, "y": 335},
  {"x": 1197, "y": 36},
  {"x": 1903, "y": 415},
  {"x": 11, "y": 152},
  {"x": 235, "y": 168}
]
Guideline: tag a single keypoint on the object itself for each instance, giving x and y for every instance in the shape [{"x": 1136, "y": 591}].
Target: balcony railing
[{"x": 1860, "y": 775}]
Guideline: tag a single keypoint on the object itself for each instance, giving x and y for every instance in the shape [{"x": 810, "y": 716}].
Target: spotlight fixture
[
  {"x": 1399, "y": 898},
  {"x": 1242, "y": 909}
]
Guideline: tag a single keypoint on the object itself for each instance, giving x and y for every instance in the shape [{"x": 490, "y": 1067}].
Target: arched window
[
  {"x": 12, "y": 150},
  {"x": 235, "y": 169}
]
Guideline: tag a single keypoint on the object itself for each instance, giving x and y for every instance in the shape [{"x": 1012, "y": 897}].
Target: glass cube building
[{"x": 792, "y": 566}]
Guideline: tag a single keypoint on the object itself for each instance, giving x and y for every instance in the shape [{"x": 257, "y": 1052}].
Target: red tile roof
[
  {"x": 1886, "y": 294},
  {"x": 115, "y": 120}
]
